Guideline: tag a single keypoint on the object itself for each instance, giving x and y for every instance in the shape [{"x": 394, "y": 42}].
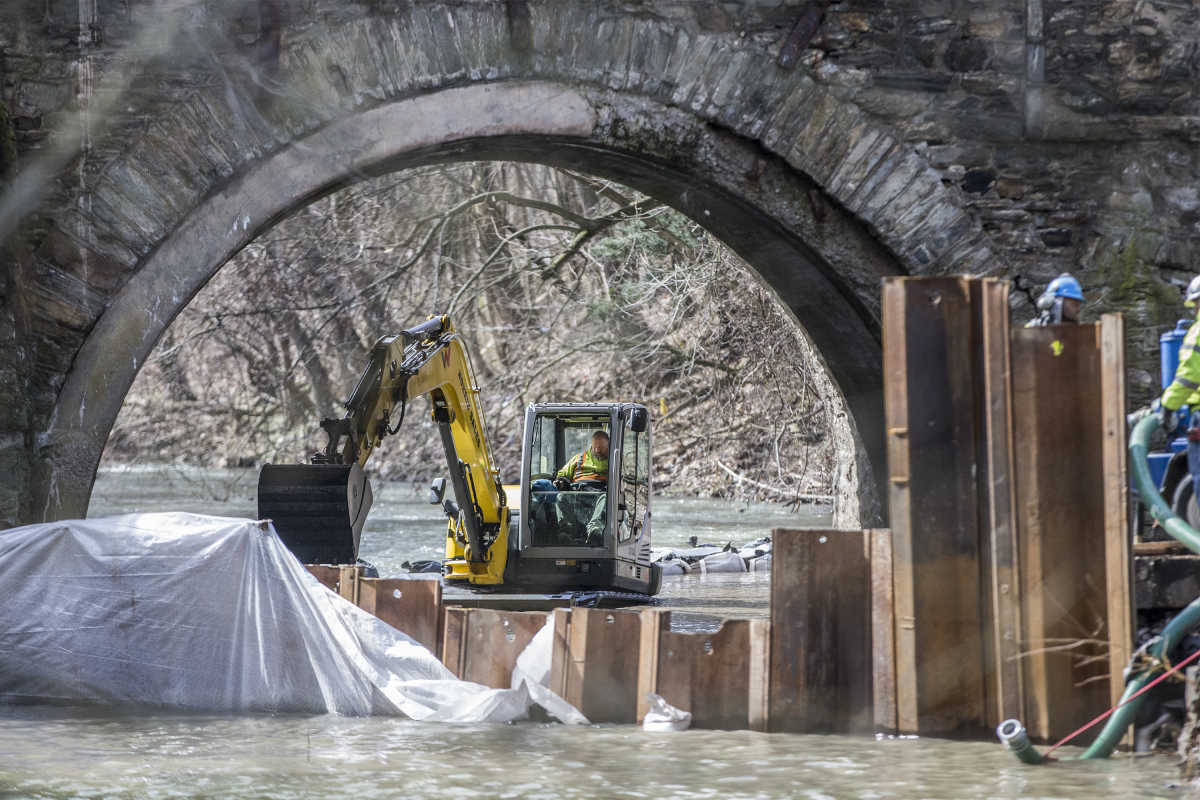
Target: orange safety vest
[{"x": 582, "y": 473}]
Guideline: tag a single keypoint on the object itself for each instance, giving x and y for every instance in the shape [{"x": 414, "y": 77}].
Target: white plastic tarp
[
  {"x": 211, "y": 613},
  {"x": 662, "y": 716}
]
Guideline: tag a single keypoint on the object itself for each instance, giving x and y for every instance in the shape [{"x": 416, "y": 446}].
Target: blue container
[
  {"x": 1168, "y": 350},
  {"x": 1158, "y": 461}
]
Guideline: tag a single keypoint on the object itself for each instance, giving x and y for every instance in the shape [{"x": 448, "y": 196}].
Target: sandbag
[
  {"x": 727, "y": 561},
  {"x": 755, "y": 549}
]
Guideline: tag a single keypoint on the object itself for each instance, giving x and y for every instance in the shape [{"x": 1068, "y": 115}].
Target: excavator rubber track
[{"x": 318, "y": 509}]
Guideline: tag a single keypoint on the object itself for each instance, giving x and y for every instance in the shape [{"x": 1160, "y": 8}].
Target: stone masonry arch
[{"x": 818, "y": 198}]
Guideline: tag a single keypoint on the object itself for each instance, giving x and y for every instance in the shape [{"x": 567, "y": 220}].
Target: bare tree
[{"x": 568, "y": 287}]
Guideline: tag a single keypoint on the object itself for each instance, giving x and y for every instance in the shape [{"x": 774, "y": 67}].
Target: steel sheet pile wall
[
  {"x": 821, "y": 661},
  {"x": 482, "y": 645},
  {"x": 595, "y": 662},
  {"x": 413, "y": 606},
  {"x": 708, "y": 674},
  {"x": 606, "y": 662},
  {"x": 930, "y": 413},
  {"x": 1007, "y": 492}
]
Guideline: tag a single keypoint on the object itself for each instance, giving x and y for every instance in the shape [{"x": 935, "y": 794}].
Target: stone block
[
  {"x": 444, "y": 44},
  {"x": 776, "y": 132},
  {"x": 1056, "y": 237},
  {"x": 619, "y": 55},
  {"x": 692, "y": 72},
  {"x": 766, "y": 87},
  {"x": 823, "y": 114},
  {"x": 580, "y": 24},
  {"x": 126, "y": 192},
  {"x": 175, "y": 156},
  {"x": 53, "y": 348},
  {"x": 833, "y": 146},
  {"x": 228, "y": 130},
  {"x": 943, "y": 228},
  {"x": 359, "y": 68},
  {"x": 38, "y": 97},
  {"x": 59, "y": 300},
  {"x": 98, "y": 272},
  {"x": 888, "y": 185},
  {"x": 923, "y": 82},
  {"x": 374, "y": 40},
  {"x": 485, "y": 38},
  {"x": 1183, "y": 198},
  {"x": 92, "y": 235},
  {"x": 728, "y": 82},
  {"x": 193, "y": 115},
  {"x": 648, "y": 54},
  {"x": 112, "y": 225},
  {"x": 547, "y": 34},
  {"x": 920, "y": 208},
  {"x": 14, "y": 404}
]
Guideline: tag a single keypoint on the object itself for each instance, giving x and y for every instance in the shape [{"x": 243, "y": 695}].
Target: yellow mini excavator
[{"x": 592, "y": 535}]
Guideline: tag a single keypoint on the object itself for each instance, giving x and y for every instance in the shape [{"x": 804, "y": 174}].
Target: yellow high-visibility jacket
[
  {"x": 586, "y": 466},
  {"x": 1185, "y": 389}
]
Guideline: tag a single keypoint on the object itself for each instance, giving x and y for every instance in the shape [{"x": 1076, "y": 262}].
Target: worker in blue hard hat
[
  {"x": 1061, "y": 302},
  {"x": 1185, "y": 389}
]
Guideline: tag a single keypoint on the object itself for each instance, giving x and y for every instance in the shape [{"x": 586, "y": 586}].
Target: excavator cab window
[
  {"x": 635, "y": 484},
  {"x": 574, "y": 517}
]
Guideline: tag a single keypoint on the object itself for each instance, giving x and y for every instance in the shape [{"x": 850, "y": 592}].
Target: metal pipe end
[{"x": 1011, "y": 732}]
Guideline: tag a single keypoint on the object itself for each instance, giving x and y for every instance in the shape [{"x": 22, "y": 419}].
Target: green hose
[
  {"x": 1012, "y": 733},
  {"x": 1122, "y": 718},
  {"x": 1171, "y": 522}
]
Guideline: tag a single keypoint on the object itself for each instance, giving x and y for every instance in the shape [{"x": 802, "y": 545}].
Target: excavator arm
[{"x": 319, "y": 508}]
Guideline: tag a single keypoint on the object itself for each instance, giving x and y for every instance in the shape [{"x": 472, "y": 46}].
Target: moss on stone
[
  {"x": 1130, "y": 278},
  {"x": 1131, "y": 284}
]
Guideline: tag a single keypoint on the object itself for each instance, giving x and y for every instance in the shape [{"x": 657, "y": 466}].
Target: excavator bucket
[{"x": 318, "y": 509}]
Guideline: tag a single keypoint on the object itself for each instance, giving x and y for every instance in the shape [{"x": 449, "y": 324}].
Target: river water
[
  {"x": 403, "y": 526},
  {"x": 57, "y": 752}
]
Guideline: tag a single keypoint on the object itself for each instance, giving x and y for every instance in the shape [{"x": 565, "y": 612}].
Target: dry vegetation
[{"x": 566, "y": 287}]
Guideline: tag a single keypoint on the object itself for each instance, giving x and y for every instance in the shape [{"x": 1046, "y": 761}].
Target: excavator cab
[{"x": 592, "y": 534}]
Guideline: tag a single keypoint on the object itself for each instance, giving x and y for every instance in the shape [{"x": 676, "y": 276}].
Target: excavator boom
[{"x": 319, "y": 508}]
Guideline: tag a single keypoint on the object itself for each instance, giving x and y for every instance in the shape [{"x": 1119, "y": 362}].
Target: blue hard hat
[{"x": 1065, "y": 286}]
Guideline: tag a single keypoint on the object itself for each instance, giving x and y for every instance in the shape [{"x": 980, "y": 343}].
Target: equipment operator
[{"x": 589, "y": 467}]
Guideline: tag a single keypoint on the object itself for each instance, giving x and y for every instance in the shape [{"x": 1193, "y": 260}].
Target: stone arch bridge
[{"x": 829, "y": 145}]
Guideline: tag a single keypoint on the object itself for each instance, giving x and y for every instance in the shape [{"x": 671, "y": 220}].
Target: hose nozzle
[{"x": 1012, "y": 733}]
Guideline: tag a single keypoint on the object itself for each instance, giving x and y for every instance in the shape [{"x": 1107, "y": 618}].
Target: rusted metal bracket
[{"x": 801, "y": 34}]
